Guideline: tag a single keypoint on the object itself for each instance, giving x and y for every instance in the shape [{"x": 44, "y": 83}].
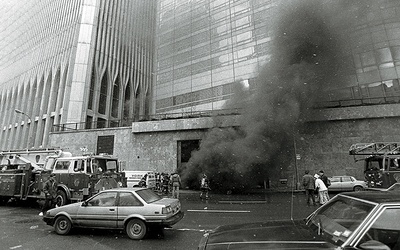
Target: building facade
[
  {"x": 204, "y": 46},
  {"x": 90, "y": 65},
  {"x": 80, "y": 63}
]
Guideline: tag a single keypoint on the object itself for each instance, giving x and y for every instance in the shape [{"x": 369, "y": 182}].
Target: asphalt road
[{"x": 22, "y": 228}]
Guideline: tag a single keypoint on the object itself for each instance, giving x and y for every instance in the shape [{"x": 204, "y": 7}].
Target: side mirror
[{"x": 84, "y": 204}]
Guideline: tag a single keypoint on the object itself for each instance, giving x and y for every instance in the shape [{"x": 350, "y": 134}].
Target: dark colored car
[
  {"x": 356, "y": 220},
  {"x": 130, "y": 209}
]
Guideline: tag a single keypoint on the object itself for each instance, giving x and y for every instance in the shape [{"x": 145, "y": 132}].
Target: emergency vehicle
[
  {"x": 23, "y": 173},
  {"x": 381, "y": 162}
]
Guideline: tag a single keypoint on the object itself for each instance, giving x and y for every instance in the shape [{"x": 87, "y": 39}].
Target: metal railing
[
  {"x": 128, "y": 122},
  {"x": 209, "y": 113}
]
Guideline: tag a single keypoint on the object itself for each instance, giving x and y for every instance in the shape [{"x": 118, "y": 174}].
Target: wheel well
[
  {"x": 133, "y": 218},
  {"x": 358, "y": 186},
  {"x": 59, "y": 215}
]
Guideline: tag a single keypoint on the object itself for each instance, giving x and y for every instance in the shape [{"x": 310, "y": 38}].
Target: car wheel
[
  {"x": 61, "y": 198},
  {"x": 358, "y": 188},
  {"x": 136, "y": 229},
  {"x": 62, "y": 225}
]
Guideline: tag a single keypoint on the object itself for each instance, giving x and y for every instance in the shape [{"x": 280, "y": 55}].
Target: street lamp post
[
  {"x": 30, "y": 120},
  {"x": 23, "y": 113}
]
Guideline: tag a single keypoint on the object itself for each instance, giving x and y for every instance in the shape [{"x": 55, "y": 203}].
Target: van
[{"x": 133, "y": 178}]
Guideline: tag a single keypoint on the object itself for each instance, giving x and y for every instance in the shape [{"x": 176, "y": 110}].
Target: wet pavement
[{"x": 22, "y": 228}]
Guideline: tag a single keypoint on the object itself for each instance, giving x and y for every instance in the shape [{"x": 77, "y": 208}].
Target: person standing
[
  {"x": 322, "y": 190},
  {"x": 204, "y": 187},
  {"x": 176, "y": 183},
  {"x": 50, "y": 192},
  {"x": 309, "y": 186},
  {"x": 325, "y": 180}
]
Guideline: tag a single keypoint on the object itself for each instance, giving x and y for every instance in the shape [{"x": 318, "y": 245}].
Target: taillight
[{"x": 167, "y": 210}]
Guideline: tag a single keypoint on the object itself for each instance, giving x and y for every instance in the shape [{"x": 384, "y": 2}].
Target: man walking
[
  {"x": 309, "y": 186},
  {"x": 50, "y": 192},
  {"x": 176, "y": 183}
]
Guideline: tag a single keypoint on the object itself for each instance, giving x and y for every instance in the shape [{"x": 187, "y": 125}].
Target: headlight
[{"x": 167, "y": 210}]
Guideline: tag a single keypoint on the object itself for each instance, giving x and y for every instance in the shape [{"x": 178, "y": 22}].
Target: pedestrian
[
  {"x": 325, "y": 180},
  {"x": 309, "y": 186},
  {"x": 176, "y": 183},
  {"x": 50, "y": 192},
  {"x": 322, "y": 190},
  {"x": 165, "y": 184},
  {"x": 204, "y": 186}
]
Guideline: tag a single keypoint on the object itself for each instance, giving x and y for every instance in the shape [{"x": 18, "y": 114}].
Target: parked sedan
[
  {"x": 354, "y": 220},
  {"x": 346, "y": 183},
  {"x": 130, "y": 209}
]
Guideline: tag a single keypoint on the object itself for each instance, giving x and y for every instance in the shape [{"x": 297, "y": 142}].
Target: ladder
[
  {"x": 375, "y": 148},
  {"x": 30, "y": 151}
]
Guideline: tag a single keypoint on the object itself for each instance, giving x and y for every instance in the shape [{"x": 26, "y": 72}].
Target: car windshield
[
  {"x": 148, "y": 195},
  {"x": 338, "y": 219}
]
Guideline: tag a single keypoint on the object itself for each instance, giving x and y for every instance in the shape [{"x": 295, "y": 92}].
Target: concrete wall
[
  {"x": 322, "y": 144},
  {"x": 148, "y": 145}
]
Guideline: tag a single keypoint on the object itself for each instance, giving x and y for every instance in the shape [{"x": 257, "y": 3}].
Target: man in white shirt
[{"x": 322, "y": 190}]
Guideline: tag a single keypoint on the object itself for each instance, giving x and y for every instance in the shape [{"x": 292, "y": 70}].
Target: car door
[
  {"x": 99, "y": 211},
  {"x": 335, "y": 184},
  {"x": 347, "y": 183},
  {"x": 129, "y": 204}
]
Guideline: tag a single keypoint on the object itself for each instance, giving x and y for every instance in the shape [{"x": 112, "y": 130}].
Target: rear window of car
[{"x": 148, "y": 196}]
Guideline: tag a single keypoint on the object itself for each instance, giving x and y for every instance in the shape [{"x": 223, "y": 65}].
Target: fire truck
[
  {"x": 24, "y": 172},
  {"x": 381, "y": 162}
]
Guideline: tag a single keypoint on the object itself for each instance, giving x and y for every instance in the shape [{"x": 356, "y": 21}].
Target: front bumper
[{"x": 49, "y": 220}]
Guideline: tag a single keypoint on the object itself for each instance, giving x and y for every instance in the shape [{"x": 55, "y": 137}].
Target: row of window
[{"x": 381, "y": 92}]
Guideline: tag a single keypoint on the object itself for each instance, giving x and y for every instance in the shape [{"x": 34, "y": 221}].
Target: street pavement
[{"x": 22, "y": 228}]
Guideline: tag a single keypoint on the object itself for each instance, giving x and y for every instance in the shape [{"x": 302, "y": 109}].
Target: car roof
[
  {"x": 375, "y": 196},
  {"x": 125, "y": 189}
]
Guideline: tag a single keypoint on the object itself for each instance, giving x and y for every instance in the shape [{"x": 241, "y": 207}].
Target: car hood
[
  {"x": 268, "y": 235},
  {"x": 70, "y": 208}
]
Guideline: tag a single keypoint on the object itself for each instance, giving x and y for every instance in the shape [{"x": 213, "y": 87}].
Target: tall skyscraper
[
  {"x": 204, "y": 46},
  {"x": 80, "y": 63}
]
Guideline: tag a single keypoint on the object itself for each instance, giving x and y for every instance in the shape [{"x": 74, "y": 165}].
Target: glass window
[
  {"x": 128, "y": 199},
  {"x": 384, "y": 55},
  {"x": 384, "y": 233},
  {"x": 62, "y": 165},
  {"x": 106, "y": 199},
  {"x": 346, "y": 179},
  {"x": 148, "y": 196},
  {"x": 335, "y": 179},
  {"x": 79, "y": 166},
  {"x": 368, "y": 58}
]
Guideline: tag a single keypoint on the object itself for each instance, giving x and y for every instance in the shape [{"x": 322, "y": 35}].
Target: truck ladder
[
  {"x": 375, "y": 148},
  {"x": 30, "y": 151}
]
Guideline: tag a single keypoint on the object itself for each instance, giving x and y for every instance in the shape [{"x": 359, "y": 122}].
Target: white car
[
  {"x": 346, "y": 183},
  {"x": 129, "y": 209}
]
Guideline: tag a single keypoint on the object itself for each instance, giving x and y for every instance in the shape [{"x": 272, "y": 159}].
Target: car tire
[
  {"x": 61, "y": 198},
  {"x": 136, "y": 229},
  {"x": 62, "y": 225},
  {"x": 358, "y": 188}
]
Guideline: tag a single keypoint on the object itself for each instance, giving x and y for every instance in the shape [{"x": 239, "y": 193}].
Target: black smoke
[{"x": 309, "y": 54}]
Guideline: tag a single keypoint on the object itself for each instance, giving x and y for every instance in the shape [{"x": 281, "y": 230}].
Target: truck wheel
[
  {"x": 358, "y": 188},
  {"x": 62, "y": 225},
  {"x": 61, "y": 198},
  {"x": 136, "y": 229}
]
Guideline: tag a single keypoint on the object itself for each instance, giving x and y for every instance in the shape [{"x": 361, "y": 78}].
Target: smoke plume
[{"x": 308, "y": 54}]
